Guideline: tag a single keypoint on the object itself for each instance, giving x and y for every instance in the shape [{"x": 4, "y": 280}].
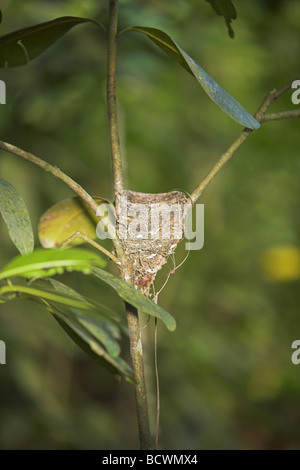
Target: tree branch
[
  {"x": 137, "y": 359},
  {"x": 262, "y": 117},
  {"x": 57, "y": 173},
  {"x": 111, "y": 98},
  {"x": 283, "y": 115},
  {"x": 136, "y": 348}
]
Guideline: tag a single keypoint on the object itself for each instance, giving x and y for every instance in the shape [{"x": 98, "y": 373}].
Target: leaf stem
[
  {"x": 82, "y": 236},
  {"x": 136, "y": 348}
]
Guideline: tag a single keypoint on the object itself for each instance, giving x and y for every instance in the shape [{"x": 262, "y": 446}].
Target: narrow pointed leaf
[
  {"x": 46, "y": 263},
  {"x": 64, "y": 219},
  {"x": 135, "y": 298},
  {"x": 89, "y": 344},
  {"x": 100, "y": 331},
  {"x": 20, "y": 47},
  {"x": 16, "y": 217},
  {"x": 217, "y": 94},
  {"x": 64, "y": 289},
  {"x": 104, "y": 331},
  {"x": 107, "y": 314}
]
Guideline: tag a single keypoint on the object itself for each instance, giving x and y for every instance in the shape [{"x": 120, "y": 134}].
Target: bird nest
[{"x": 149, "y": 228}]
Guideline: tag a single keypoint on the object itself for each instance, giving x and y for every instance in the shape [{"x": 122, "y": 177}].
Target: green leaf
[
  {"x": 46, "y": 263},
  {"x": 89, "y": 344},
  {"x": 107, "y": 314},
  {"x": 105, "y": 331},
  {"x": 99, "y": 330},
  {"x": 135, "y": 298},
  {"x": 217, "y": 94},
  {"x": 64, "y": 289},
  {"x": 20, "y": 47},
  {"x": 226, "y": 9},
  {"x": 9, "y": 291},
  {"x": 16, "y": 217},
  {"x": 64, "y": 219},
  {"x": 92, "y": 318},
  {"x": 100, "y": 326}
]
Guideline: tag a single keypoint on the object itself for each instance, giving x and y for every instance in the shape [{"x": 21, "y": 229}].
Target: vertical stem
[
  {"x": 136, "y": 348},
  {"x": 111, "y": 97},
  {"x": 137, "y": 359},
  {"x": 157, "y": 386}
]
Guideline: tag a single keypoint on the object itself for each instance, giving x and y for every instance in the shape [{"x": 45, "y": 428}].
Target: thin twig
[
  {"x": 283, "y": 115},
  {"x": 56, "y": 172},
  {"x": 89, "y": 240},
  {"x": 219, "y": 165},
  {"x": 261, "y": 116}
]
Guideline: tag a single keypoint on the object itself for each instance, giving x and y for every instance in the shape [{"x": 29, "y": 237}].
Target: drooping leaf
[
  {"x": 281, "y": 263},
  {"x": 47, "y": 263},
  {"x": 226, "y": 9},
  {"x": 93, "y": 319},
  {"x": 106, "y": 313},
  {"x": 217, "y": 94},
  {"x": 100, "y": 331},
  {"x": 16, "y": 217},
  {"x": 89, "y": 344},
  {"x": 64, "y": 219},
  {"x": 135, "y": 298},
  {"x": 107, "y": 332},
  {"x": 20, "y": 47},
  {"x": 58, "y": 305},
  {"x": 64, "y": 289}
]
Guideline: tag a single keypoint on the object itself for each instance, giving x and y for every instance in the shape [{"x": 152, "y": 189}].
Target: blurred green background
[{"x": 226, "y": 376}]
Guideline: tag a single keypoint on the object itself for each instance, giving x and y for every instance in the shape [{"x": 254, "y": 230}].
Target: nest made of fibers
[{"x": 147, "y": 250}]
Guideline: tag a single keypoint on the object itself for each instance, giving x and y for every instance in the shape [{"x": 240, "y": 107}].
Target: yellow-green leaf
[
  {"x": 64, "y": 219},
  {"x": 46, "y": 263}
]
